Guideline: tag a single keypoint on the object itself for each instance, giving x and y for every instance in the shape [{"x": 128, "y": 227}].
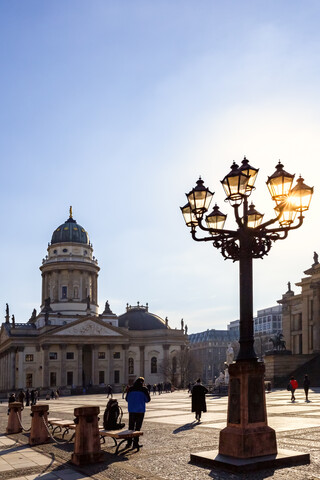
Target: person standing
[
  {"x": 137, "y": 397},
  {"x": 306, "y": 385},
  {"x": 198, "y": 399},
  {"x": 294, "y": 386}
]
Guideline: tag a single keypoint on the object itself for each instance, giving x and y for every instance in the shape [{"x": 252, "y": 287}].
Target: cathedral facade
[{"x": 69, "y": 344}]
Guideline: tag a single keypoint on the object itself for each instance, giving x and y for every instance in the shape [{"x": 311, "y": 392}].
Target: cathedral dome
[
  {"x": 70, "y": 231},
  {"x": 139, "y": 318}
]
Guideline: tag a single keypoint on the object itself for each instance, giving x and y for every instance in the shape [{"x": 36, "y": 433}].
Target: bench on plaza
[
  {"x": 58, "y": 425},
  {"x": 122, "y": 435}
]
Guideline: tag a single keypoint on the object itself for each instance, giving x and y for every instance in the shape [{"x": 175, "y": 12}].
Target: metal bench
[
  {"x": 58, "y": 424},
  {"x": 122, "y": 435}
]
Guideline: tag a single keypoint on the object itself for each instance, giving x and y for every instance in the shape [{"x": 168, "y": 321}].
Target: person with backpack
[
  {"x": 137, "y": 397},
  {"x": 112, "y": 416}
]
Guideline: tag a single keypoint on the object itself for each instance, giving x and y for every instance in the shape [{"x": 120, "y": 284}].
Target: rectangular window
[
  {"x": 117, "y": 376},
  {"x": 101, "y": 377},
  {"x": 70, "y": 355},
  {"x": 116, "y": 354},
  {"x": 53, "y": 356},
  {"x": 29, "y": 380},
  {"x": 70, "y": 378},
  {"x": 53, "y": 379},
  {"x": 101, "y": 355},
  {"x": 29, "y": 357},
  {"x": 64, "y": 292}
]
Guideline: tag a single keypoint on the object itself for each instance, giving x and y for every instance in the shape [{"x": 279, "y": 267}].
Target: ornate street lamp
[{"x": 247, "y": 434}]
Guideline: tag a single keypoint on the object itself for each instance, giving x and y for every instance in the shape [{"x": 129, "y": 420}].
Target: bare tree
[{"x": 181, "y": 368}]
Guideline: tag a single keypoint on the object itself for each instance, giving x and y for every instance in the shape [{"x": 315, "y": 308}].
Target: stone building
[
  {"x": 69, "y": 344},
  {"x": 209, "y": 350},
  {"x": 301, "y": 313},
  {"x": 301, "y": 330}
]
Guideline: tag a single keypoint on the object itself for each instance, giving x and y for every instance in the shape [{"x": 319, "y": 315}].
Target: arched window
[
  {"x": 154, "y": 365},
  {"x": 130, "y": 366},
  {"x": 174, "y": 365}
]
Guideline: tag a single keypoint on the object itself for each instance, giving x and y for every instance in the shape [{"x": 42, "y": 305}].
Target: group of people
[
  {"x": 293, "y": 385},
  {"x": 27, "y": 398},
  {"x": 156, "y": 388}
]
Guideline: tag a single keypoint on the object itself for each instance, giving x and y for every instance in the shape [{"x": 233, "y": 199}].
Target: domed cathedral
[{"x": 70, "y": 345}]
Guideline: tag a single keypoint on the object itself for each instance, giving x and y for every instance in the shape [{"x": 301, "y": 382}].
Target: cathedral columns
[
  {"x": 63, "y": 366},
  {"x": 125, "y": 349},
  {"x": 141, "y": 361},
  {"x": 94, "y": 362},
  {"x": 111, "y": 364},
  {"x": 80, "y": 380},
  {"x": 316, "y": 318},
  {"x": 12, "y": 369},
  {"x": 45, "y": 369}
]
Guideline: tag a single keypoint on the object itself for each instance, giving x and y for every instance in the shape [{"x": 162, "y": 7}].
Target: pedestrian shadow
[{"x": 187, "y": 426}]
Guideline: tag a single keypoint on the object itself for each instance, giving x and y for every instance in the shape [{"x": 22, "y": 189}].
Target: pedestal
[
  {"x": 87, "y": 447},
  {"x": 39, "y": 433},
  {"x": 247, "y": 433},
  {"x": 247, "y": 442},
  {"x": 14, "y": 419}
]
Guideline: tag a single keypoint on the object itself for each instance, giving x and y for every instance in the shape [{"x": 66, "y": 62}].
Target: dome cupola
[
  {"x": 139, "y": 318},
  {"x": 70, "y": 231}
]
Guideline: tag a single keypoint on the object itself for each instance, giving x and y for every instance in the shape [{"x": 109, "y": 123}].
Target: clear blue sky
[{"x": 116, "y": 108}]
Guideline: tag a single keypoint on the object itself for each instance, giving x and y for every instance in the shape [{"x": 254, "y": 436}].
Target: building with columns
[
  {"x": 301, "y": 313},
  {"x": 69, "y": 344}
]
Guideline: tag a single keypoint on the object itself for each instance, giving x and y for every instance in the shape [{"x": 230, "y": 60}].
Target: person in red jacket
[{"x": 294, "y": 386}]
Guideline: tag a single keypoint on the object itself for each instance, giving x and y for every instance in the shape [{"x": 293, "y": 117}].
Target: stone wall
[{"x": 279, "y": 368}]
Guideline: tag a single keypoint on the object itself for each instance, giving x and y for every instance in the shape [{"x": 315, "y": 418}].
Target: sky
[{"x": 116, "y": 108}]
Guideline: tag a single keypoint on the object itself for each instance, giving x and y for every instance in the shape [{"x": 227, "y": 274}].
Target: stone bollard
[
  {"x": 87, "y": 447},
  {"x": 14, "y": 419},
  {"x": 39, "y": 433}
]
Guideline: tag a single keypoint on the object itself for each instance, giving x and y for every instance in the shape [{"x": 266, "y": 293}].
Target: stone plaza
[{"x": 170, "y": 436}]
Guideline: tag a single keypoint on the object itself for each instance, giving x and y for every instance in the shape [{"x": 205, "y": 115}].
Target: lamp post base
[
  {"x": 247, "y": 434},
  {"x": 284, "y": 458}
]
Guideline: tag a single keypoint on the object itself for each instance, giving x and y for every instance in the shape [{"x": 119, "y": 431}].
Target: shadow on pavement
[{"x": 187, "y": 426}]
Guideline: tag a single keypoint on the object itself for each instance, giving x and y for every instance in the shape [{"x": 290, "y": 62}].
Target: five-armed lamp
[{"x": 247, "y": 434}]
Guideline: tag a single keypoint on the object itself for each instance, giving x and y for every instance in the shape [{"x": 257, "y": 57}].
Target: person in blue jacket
[{"x": 137, "y": 397}]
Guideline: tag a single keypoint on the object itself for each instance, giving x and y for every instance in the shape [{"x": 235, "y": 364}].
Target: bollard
[
  {"x": 39, "y": 433},
  {"x": 87, "y": 447},
  {"x": 14, "y": 419}
]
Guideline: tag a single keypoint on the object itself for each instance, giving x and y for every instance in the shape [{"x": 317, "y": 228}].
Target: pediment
[{"x": 87, "y": 328}]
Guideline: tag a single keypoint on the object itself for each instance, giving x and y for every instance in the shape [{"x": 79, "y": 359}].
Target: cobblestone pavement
[{"x": 170, "y": 435}]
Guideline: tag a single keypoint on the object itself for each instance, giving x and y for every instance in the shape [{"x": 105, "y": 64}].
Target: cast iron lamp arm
[
  {"x": 221, "y": 235},
  {"x": 218, "y": 231},
  {"x": 287, "y": 229}
]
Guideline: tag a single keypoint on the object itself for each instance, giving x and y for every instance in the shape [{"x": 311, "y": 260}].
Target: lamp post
[{"x": 247, "y": 434}]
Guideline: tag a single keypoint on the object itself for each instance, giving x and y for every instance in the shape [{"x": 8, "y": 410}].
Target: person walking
[
  {"x": 109, "y": 391},
  {"x": 137, "y": 397},
  {"x": 198, "y": 399},
  {"x": 294, "y": 386},
  {"x": 306, "y": 385}
]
